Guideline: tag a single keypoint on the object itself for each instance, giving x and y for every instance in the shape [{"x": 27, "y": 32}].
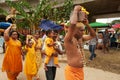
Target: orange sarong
[
  {"x": 72, "y": 73},
  {"x": 12, "y": 76}
]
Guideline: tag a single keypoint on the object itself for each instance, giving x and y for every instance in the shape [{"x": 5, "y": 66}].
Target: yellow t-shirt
[{"x": 49, "y": 50}]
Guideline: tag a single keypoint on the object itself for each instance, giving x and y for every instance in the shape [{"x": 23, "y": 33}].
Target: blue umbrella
[
  {"x": 4, "y": 25},
  {"x": 49, "y": 25}
]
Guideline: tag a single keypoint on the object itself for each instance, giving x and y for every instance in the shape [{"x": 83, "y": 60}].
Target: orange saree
[{"x": 12, "y": 62}]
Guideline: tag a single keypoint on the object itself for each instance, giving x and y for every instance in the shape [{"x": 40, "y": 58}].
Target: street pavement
[{"x": 90, "y": 73}]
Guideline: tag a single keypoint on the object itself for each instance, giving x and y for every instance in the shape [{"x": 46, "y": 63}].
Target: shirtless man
[{"x": 72, "y": 42}]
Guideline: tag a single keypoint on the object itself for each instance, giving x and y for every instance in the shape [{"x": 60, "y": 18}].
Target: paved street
[{"x": 90, "y": 73}]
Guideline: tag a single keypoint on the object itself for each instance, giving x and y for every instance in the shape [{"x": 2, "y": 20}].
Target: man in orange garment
[{"x": 73, "y": 46}]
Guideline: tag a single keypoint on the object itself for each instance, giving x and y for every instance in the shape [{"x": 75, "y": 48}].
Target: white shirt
[
  {"x": 51, "y": 62},
  {"x": 93, "y": 41}
]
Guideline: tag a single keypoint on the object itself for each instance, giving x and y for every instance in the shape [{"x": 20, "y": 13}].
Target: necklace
[{"x": 79, "y": 46}]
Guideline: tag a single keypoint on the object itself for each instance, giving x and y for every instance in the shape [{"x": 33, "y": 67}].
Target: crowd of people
[
  {"x": 32, "y": 51},
  {"x": 103, "y": 41},
  {"x": 47, "y": 45},
  {"x": 106, "y": 40}
]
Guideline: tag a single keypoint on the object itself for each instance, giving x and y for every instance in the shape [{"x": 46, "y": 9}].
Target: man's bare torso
[{"x": 74, "y": 53}]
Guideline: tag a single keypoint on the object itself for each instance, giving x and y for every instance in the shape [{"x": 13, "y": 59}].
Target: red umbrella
[{"x": 116, "y": 26}]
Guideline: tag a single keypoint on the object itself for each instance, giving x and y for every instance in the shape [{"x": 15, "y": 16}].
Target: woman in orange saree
[{"x": 12, "y": 62}]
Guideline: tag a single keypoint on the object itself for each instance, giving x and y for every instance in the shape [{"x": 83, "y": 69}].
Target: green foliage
[
  {"x": 43, "y": 9},
  {"x": 3, "y": 12},
  {"x": 19, "y": 6},
  {"x": 23, "y": 24},
  {"x": 63, "y": 12},
  {"x": 67, "y": 7},
  {"x": 56, "y": 14},
  {"x": 34, "y": 14}
]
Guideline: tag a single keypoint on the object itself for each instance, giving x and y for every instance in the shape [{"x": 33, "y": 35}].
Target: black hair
[
  {"x": 48, "y": 32},
  {"x": 56, "y": 31},
  {"x": 11, "y": 32},
  {"x": 43, "y": 31},
  {"x": 11, "y": 20},
  {"x": 2, "y": 33}
]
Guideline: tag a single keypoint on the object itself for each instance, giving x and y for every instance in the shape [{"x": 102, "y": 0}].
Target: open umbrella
[
  {"x": 49, "y": 25},
  {"x": 116, "y": 26},
  {"x": 98, "y": 25}
]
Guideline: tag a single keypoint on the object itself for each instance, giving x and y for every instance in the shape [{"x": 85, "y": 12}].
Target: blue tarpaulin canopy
[
  {"x": 49, "y": 25},
  {"x": 4, "y": 25}
]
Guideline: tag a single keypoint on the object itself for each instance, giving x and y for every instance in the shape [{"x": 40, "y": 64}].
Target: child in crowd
[
  {"x": 50, "y": 48},
  {"x": 30, "y": 67}
]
